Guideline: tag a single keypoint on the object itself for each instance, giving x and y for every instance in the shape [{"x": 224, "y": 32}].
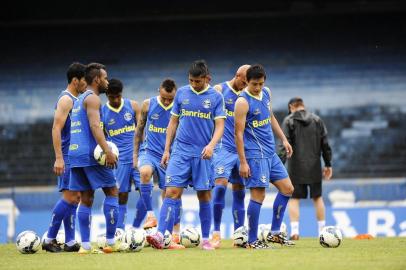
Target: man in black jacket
[{"x": 307, "y": 134}]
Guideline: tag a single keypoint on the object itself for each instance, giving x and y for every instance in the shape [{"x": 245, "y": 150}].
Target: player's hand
[
  {"x": 111, "y": 160},
  {"x": 165, "y": 159},
  {"x": 59, "y": 166},
  {"x": 245, "y": 170},
  {"x": 207, "y": 152},
  {"x": 288, "y": 148},
  {"x": 135, "y": 161},
  {"x": 327, "y": 173}
]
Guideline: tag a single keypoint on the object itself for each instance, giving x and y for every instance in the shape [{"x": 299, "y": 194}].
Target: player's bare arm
[
  {"x": 207, "y": 152},
  {"x": 278, "y": 131},
  {"x": 63, "y": 107},
  {"x": 141, "y": 122},
  {"x": 170, "y": 135},
  {"x": 240, "y": 111},
  {"x": 92, "y": 104}
]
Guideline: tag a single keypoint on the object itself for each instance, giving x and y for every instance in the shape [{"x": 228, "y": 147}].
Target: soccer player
[
  {"x": 198, "y": 122},
  {"x": 120, "y": 118},
  {"x": 65, "y": 208},
  {"x": 259, "y": 164},
  {"x": 86, "y": 174},
  {"x": 155, "y": 115},
  {"x": 225, "y": 159}
]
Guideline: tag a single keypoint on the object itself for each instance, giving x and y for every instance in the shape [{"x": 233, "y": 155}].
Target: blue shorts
[
  {"x": 184, "y": 170},
  {"x": 226, "y": 165},
  {"x": 264, "y": 170},
  {"x": 63, "y": 180},
  {"x": 91, "y": 178},
  {"x": 149, "y": 159},
  {"x": 124, "y": 175}
]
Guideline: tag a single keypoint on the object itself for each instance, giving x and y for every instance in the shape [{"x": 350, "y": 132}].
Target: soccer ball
[
  {"x": 330, "y": 237},
  {"x": 150, "y": 231},
  {"x": 60, "y": 237},
  {"x": 240, "y": 237},
  {"x": 118, "y": 237},
  {"x": 135, "y": 239},
  {"x": 167, "y": 239},
  {"x": 190, "y": 237},
  {"x": 100, "y": 156},
  {"x": 28, "y": 242},
  {"x": 263, "y": 231}
]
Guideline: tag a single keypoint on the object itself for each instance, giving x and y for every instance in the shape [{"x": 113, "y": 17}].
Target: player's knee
[
  {"x": 87, "y": 200},
  {"x": 172, "y": 193},
  {"x": 111, "y": 191},
  {"x": 221, "y": 182},
  {"x": 204, "y": 196},
  {"x": 122, "y": 198},
  {"x": 238, "y": 187},
  {"x": 289, "y": 190}
]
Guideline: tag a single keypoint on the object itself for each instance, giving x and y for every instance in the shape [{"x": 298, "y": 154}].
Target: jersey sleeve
[
  {"x": 176, "y": 105},
  {"x": 219, "y": 110}
]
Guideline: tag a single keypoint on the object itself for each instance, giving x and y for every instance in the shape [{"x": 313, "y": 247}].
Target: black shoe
[
  {"x": 258, "y": 244},
  {"x": 51, "y": 246},
  {"x": 279, "y": 238},
  {"x": 74, "y": 248}
]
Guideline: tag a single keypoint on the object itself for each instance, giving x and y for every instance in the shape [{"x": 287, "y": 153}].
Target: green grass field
[{"x": 380, "y": 254}]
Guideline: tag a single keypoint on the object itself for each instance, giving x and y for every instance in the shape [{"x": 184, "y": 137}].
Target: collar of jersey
[
  {"x": 162, "y": 105},
  {"x": 70, "y": 94},
  {"x": 258, "y": 98},
  {"x": 201, "y": 92},
  {"x": 114, "y": 109},
  {"x": 232, "y": 89}
]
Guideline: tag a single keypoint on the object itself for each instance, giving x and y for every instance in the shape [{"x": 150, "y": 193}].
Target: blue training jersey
[
  {"x": 155, "y": 129},
  {"x": 230, "y": 96},
  {"x": 65, "y": 132},
  {"x": 119, "y": 125},
  {"x": 197, "y": 112},
  {"x": 82, "y": 142},
  {"x": 259, "y": 140}
]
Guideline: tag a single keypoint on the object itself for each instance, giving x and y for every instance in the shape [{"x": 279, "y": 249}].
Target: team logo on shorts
[
  {"x": 155, "y": 116},
  {"x": 220, "y": 170},
  {"x": 111, "y": 122},
  {"x": 128, "y": 116},
  {"x": 263, "y": 179},
  {"x": 230, "y": 101},
  {"x": 257, "y": 111},
  {"x": 168, "y": 179},
  {"x": 207, "y": 103},
  {"x": 185, "y": 102}
]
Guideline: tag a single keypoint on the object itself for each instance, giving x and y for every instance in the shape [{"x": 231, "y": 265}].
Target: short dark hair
[
  {"x": 92, "y": 71},
  {"x": 115, "y": 87},
  {"x": 75, "y": 70},
  {"x": 295, "y": 102},
  {"x": 199, "y": 68},
  {"x": 256, "y": 71},
  {"x": 169, "y": 85}
]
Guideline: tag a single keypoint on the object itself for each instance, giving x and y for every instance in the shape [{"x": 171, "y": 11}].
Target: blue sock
[
  {"x": 58, "y": 213},
  {"x": 140, "y": 213},
  {"x": 146, "y": 195},
  {"x": 110, "y": 209},
  {"x": 167, "y": 215},
  {"x": 238, "y": 208},
  {"x": 279, "y": 206},
  {"x": 254, "y": 208},
  {"x": 205, "y": 218},
  {"x": 122, "y": 214},
  {"x": 178, "y": 212},
  {"x": 84, "y": 218},
  {"x": 69, "y": 223},
  {"x": 219, "y": 193}
]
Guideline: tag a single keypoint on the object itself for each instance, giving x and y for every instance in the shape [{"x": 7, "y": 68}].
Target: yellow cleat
[
  {"x": 150, "y": 222},
  {"x": 216, "y": 240},
  {"x": 83, "y": 251},
  {"x": 111, "y": 249}
]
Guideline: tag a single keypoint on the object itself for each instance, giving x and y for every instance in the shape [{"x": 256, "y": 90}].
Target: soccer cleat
[
  {"x": 279, "y": 238},
  {"x": 111, "y": 248},
  {"x": 175, "y": 238},
  {"x": 257, "y": 244},
  {"x": 74, "y": 248},
  {"x": 156, "y": 240},
  {"x": 52, "y": 246},
  {"x": 206, "y": 245},
  {"x": 216, "y": 240},
  {"x": 294, "y": 237},
  {"x": 83, "y": 251},
  {"x": 150, "y": 222},
  {"x": 174, "y": 245}
]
